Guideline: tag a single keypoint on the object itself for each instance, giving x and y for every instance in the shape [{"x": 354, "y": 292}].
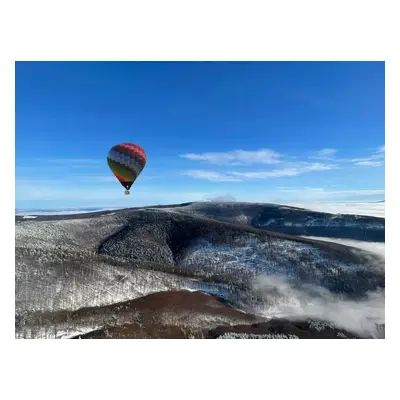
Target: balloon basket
[{"x": 127, "y": 192}]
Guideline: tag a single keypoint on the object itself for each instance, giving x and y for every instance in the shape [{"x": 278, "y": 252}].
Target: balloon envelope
[{"x": 126, "y": 161}]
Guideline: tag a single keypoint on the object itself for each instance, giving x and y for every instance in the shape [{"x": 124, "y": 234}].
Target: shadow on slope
[
  {"x": 292, "y": 220},
  {"x": 230, "y": 254}
]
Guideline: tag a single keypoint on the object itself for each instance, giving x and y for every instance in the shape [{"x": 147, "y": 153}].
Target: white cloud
[
  {"x": 306, "y": 197},
  {"x": 94, "y": 178},
  {"x": 74, "y": 161},
  {"x": 35, "y": 182},
  {"x": 377, "y": 248},
  {"x": 268, "y": 156},
  {"x": 319, "y": 199},
  {"x": 59, "y": 169},
  {"x": 276, "y": 173},
  {"x": 301, "y": 301},
  {"x": 68, "y": 178},
  {"x": 324, "y": 192},
  {"x": 288, "y": 164},
  {"x": 376, "y": 156},
  {"x": 376, "y": 159},
  {"x": 324, "y": 154},
  {"x": 355, "y": 208},
  {"x": 234, "y": 176},
  {"x": 211, "y": 176},
  {"x": 369, "y": 163},
  {"x": 295, "y": 190},
  {"x": 46, "y": 191},
  {"x": 221, "y": 199},
  {"x": 237, "y": 157},
  {"x": 357, "y": 192}
]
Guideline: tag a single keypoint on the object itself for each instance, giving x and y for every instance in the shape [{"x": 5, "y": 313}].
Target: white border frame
[{"x": 201, "y": 30}]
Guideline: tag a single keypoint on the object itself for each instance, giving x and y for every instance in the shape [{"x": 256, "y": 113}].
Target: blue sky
[{"x": 258, "y": 131}]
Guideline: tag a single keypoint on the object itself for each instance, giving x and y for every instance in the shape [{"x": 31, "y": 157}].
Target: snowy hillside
[{"x": 71, "y": 262}]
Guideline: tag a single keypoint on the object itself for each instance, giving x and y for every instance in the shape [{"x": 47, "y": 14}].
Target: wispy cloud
[
  {"x": 369, "y": 163},
  {"x": 237, "y": 157},
  {"x": 289, "y": 165},
  {"x": 361, "y": 192},
  {"x": 93, "y": 178},
  {"x": 319, "y": 197},
  {"x": 276, "y": 173},
  {"x": 74, "y": 161},
  {"x": 56, "y": 192},
  {"x": 225, "y": 198},
  {"x": 376, "y": 159},
  {"x": 28, "y": 182},
  {"x": 359, "y": 208},
  {"x": 322, "y": 192},
  {"x": 71, "y": 181},
  {"x": 72, "y": 164},
  {"x": 324, "y": 154},
  {"x": 65, "y": 178},
  {"x": 211, "y": 176},
  {"x": 301, "y": 189},
  {"x": 59, "y": 168},
  {"x": 234, "y": 176}
]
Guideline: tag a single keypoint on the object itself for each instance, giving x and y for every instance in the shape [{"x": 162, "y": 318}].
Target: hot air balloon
[{"x": 126, "y": 161}]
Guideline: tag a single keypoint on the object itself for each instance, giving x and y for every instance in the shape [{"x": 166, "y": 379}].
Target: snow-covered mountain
[
  {"x": 292, "y": 220},
  {"x": 72, "y": 262}
]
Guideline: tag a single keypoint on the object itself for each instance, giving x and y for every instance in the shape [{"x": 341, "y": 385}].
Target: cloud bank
[
  {"x": 283, "y": 165},
  {"x": 285, "y": 299}
]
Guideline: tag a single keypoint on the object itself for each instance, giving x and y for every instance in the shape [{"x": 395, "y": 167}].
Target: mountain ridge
[{"x": 102, "y": 258}]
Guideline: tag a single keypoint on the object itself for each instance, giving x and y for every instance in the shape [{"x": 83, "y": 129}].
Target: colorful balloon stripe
[{"x": 126, "y": 161}]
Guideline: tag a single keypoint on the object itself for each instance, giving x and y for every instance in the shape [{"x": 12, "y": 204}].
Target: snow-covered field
[
  {"x": 368, "y": 209},
  {"x": 353, "y": 208},
  {"x": 251, "y": 257},
  {"x": 32, "y": 213}
]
